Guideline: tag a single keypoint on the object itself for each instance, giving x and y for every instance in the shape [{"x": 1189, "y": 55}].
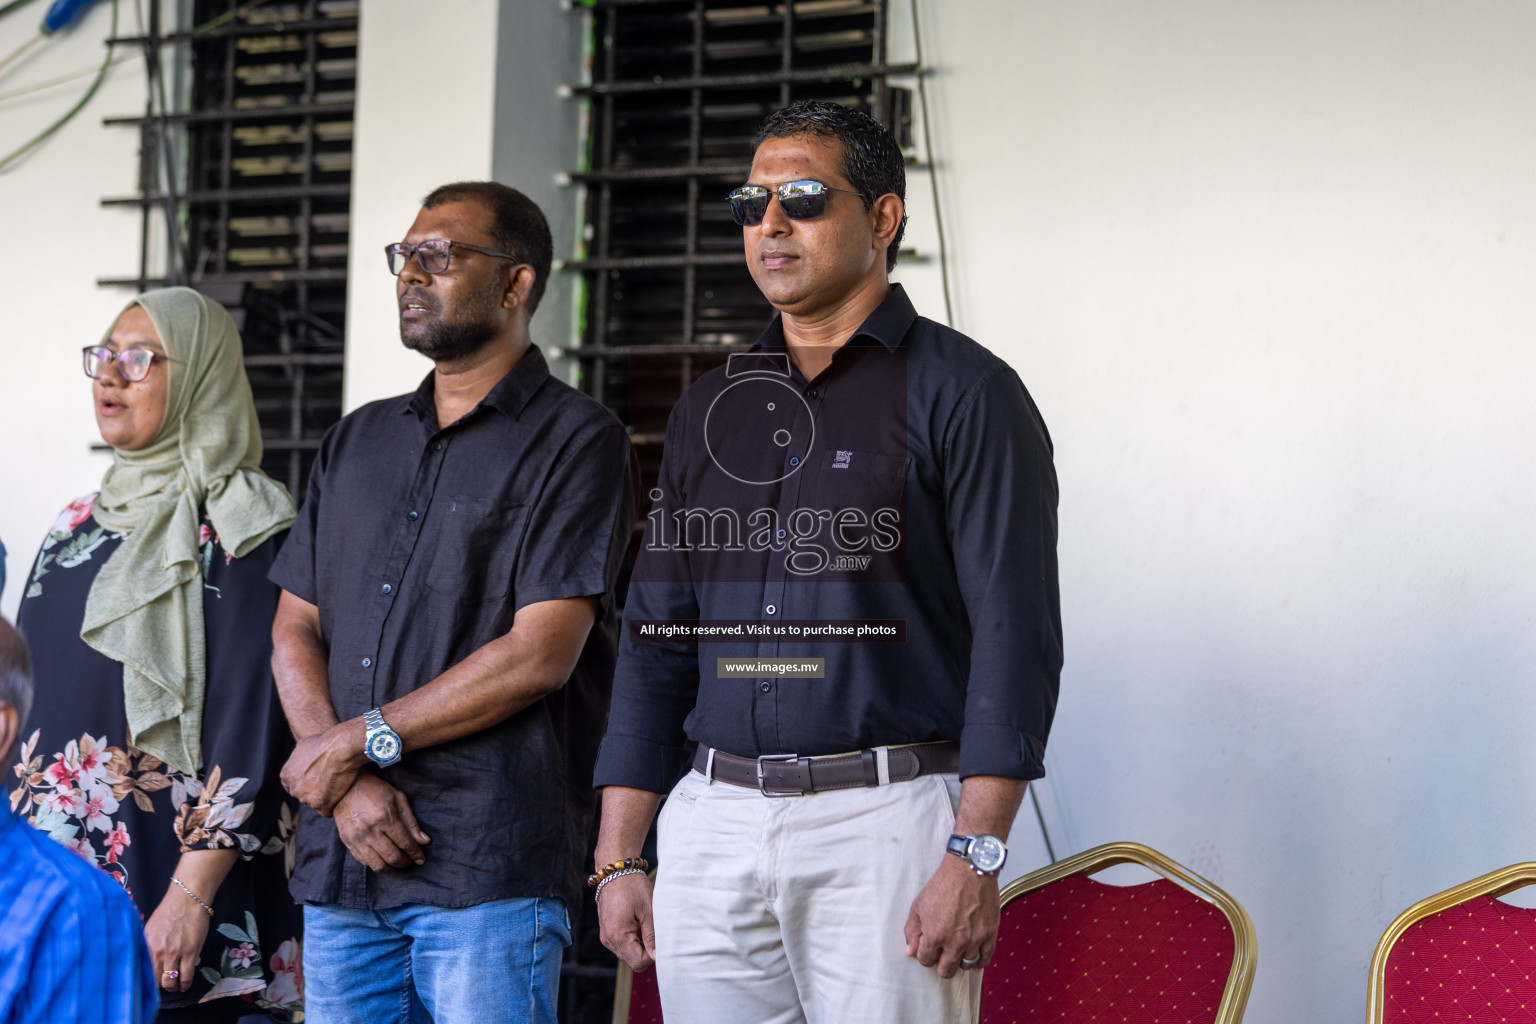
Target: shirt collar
[
  {"x": 510, "y": 395},
  {"x": 887, "y": 325}
]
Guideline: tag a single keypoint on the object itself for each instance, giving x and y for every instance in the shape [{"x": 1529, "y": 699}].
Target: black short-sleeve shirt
[{"x": 418, "y": 545}]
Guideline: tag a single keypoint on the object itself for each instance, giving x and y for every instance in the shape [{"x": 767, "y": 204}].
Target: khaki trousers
[{"x": 791, "y": 910}]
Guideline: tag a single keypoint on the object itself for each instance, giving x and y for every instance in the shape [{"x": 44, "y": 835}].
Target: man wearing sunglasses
[
  {"x": 879, "y": 643},
  {"x": 444, "y": 645}
]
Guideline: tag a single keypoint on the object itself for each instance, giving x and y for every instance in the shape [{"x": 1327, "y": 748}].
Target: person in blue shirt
[{"x": 71, "y": 943}]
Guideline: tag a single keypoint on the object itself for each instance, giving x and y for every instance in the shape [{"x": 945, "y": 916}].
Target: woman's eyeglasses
[
  {"x": 132, "y": 363},
  {"x": 434, "y": 254},
  {"x": 800, "y": 200}
]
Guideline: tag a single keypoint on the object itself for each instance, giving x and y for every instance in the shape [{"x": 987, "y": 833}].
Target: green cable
[
  {"x": 48, "y": 132},
  {"x": 14, "y": 5},
  {"x": 27, "y": 90},
  {"x": 50, "y": 83}
]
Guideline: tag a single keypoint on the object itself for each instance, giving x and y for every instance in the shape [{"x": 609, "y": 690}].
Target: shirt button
[
  {"x": 783, "y": 533},
  {"x": 771, "y": 609},
  {"x": 437, "y": 446},
  {"x": 794, "y": 460},
  {"x": 367, "y": 663},
  {"x": 387, "y": 589},
  {"x": 413, "y": 515},
  {"x": 766, "y": 687},
  {"x": 812, "y": 392}
]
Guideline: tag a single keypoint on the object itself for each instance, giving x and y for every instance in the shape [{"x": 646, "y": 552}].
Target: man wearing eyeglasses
[
  {"x": 444, "y": 645},
  {"x": 858, "y": 521}
]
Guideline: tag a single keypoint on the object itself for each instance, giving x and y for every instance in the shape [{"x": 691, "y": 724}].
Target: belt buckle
[{"x": 762, "y": 783}]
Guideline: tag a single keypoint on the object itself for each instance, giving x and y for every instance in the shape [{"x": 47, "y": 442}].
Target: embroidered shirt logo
[{"x": 842, "y": 460}]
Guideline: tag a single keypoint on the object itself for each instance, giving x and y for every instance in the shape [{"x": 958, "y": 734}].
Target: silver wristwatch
[
  {"x": 985, "y": 854},
  {"x": 382, "y": 744}
]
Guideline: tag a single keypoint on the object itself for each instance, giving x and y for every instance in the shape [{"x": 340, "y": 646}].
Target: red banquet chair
[
  {"x": 635, "y": 997},
  {"x": 1072, "y": 950},
  {"x": 1459, "y": 957}
]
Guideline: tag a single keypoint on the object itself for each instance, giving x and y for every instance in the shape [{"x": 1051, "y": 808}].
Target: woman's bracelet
[
  {"x": 619, "y": 865},
  {"x": 617, "y": 874},
  {"x": 192, "y": 894}
]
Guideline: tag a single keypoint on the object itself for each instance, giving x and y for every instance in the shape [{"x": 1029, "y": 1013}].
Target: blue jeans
[{"x": 495, "y": 963}]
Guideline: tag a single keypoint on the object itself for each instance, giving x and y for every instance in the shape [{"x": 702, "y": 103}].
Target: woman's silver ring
[{"x": 970, "y": 961}]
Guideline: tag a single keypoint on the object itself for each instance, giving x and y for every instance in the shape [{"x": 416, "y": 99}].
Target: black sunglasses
[
  {"x": 800, "y": 200},
  {"x": 434, "y": 254}
]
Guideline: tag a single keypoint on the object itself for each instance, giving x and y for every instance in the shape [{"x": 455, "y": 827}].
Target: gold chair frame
[
  {"x": 1494, "y": 883},
  {"x": 1234, "y": 997},
  {"x": 624, "y": 981},
  {"x": 623, "y": 988}
]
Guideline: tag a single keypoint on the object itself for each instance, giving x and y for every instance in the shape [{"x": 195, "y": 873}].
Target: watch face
[
  {"x": 384, "y": 746},
  {"x": 988, "y": 853}
]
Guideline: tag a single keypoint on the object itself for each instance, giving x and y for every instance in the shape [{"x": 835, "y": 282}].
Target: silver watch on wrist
[
  {"x": 381, "y": 744},
  {"x": 986, "y": 854}
]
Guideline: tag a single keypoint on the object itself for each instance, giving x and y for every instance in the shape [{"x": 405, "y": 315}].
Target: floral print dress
[{"x": 132, "y": 815}]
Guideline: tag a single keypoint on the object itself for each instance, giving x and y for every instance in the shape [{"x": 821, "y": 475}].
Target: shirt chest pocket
[
  {"x": 861, "y": 481},
  {"x": 476, "y": 548}
]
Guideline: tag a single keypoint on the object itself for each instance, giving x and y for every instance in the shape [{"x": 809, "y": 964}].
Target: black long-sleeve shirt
[{"x": 908, "y": 487}]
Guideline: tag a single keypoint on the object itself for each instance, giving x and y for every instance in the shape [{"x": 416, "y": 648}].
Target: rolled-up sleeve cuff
[
  {"x": 293, "y": 580},
  {"x": 987, "y": 749},
  {"x": 639, "y": 764},
  {"x": 582, "y": 586}
]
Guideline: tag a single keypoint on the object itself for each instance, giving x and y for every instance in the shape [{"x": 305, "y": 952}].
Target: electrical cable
[
  {"x": 62, "y": 79},
  {"x": 48, "y": 132},
  {"x": 933, "y": 174},
  {"x": 1045, "y": 833},
  {"x": 176, "y": 257},
  {"x": 15, "y": 54},
  {"x": 14, "y": 5},
  {"x": 69, "y": 10},
  {"x": 50, "y": 83},
  {"x": 60, "y": 13}
]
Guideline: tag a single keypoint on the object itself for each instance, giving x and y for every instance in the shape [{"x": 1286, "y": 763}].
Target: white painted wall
[
  {"x": 58, "y": 241},
  {"x": 489, "y": 111},
  {"x": 1267, "y": 269},
  {"x": 426, "y": 89}
]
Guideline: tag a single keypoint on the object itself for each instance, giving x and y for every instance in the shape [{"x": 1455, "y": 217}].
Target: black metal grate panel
[
  {"x": 679, "y": 87},
  {"x": 257, "y": 209}
]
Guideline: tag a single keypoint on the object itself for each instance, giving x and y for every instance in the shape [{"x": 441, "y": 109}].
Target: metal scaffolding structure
[{"x": 244, "y": 189}]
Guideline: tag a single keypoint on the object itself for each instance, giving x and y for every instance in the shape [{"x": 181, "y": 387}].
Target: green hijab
[{"x": 145, "y": 608}]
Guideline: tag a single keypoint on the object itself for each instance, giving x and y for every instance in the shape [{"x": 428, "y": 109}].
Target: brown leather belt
[{"x": 789, "y": 775}]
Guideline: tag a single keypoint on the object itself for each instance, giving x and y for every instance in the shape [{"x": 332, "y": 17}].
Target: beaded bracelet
[
  {"x": 597, "y": 895},
  {"x": 189, "y": 892},
  {"x": 618, "y": 865}
]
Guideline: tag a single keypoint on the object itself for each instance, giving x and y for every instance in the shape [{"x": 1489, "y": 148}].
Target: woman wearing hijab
[{"x": 158, "y": 736}]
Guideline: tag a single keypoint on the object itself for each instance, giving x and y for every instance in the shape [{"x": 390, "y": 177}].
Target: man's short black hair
[
  {"x": 872, "y": 161},
  {"x": 517, "y": 224}
]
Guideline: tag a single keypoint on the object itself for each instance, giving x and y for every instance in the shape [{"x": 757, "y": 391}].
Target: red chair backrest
[
  {"x": 1080, "y": 950},
  {"x": 1473, "y": 962},
  {"x": 644, "y": 999}
]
